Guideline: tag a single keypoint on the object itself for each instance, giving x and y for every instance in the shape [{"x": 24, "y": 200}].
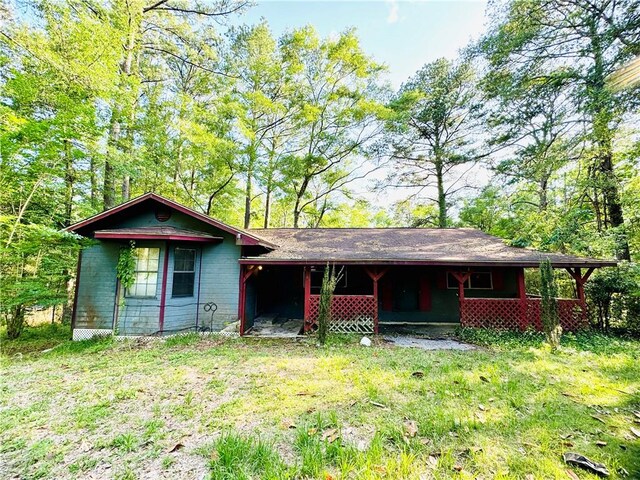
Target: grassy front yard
[{"x": 245, "y": 408}]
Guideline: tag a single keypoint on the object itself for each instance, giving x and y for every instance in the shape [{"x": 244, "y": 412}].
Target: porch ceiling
[{"x": 404, "y": 246}]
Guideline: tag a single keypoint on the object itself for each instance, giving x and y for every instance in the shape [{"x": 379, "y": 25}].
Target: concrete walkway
[{"x": 427, "y": 344}]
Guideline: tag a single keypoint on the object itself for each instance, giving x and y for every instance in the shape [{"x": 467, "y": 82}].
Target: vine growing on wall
[{"x": 126, "y": 268}]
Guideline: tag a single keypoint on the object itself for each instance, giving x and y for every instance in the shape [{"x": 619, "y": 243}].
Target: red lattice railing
[
  {"x": 509, "y": 313},
  {"x": 349, "y": 313}
]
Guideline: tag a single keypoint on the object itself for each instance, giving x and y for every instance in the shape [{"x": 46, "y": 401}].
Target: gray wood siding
[
  {"x": 141, "y": 316},
  {"x": 220, "y": 281},
  {"x": 97, "y": 286}
]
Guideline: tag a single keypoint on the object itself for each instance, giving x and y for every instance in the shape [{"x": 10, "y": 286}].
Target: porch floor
[{"x": 271, "y": 326}]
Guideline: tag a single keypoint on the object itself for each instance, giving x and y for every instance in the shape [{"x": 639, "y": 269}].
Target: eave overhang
[{"x": 434, "y": 263}]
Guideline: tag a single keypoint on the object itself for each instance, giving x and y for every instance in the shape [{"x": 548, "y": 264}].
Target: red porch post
[
  {"x": 580, "y": 281},
  {"x": 375, "y": 276},
  {"x": 522, "y": 295},
  {"x": 307, "y": 297},
  {"x": 245, "y": 273},
  {"x": 461, "y": 277},
  {"x": 241, "y": 294}
]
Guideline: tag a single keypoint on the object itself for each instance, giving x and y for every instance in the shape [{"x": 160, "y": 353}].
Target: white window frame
[{"x": 147, "y": 270}]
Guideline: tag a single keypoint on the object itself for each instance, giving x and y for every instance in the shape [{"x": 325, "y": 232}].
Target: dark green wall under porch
[
  {"x": 405, "y": 284},
  {"x": 279, "y": 291}
]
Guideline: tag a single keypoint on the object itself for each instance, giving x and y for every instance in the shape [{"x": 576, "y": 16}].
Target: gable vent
[{"x": 162, "y": 215}]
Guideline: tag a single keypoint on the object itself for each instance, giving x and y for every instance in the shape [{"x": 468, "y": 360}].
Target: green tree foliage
[
  {"x": 614, "y": 294},
  {"x": 570, "y": 48},
  {"x": 435, "y": 132}
]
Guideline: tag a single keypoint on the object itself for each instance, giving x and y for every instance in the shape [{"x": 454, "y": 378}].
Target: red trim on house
[
  {"x": 245, "y": 274},
  {"x": 163, "y": 295},
  {"x": 199, "y": 283},
  {"x": 376, "y": 275},
  {"x": 434, "y": 263},
  {"x": 522, "y": 295},
  {"x": 461, "y": 277},
  {"x": 580, "y": 281},
  {"x": 149, "y": 236},
  {"x": 307, "y": 298},
  {"x": 424, "y": 298},
  {"x": 75, "y": 293},
  {"x": 242, "y": 237}
]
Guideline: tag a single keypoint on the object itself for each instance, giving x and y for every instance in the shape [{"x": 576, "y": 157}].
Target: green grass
[{"x": 267, "y": 409}]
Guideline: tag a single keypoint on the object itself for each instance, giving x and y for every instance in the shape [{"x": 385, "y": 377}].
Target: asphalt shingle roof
[{"x": 453, "y": 246}]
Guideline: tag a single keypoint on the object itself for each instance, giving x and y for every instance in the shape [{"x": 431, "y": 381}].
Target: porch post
[
  {"x": 461, "y": 278},
  {"x": 241, "y": 298},
  {"x": 522, "y": 295},
  {"x": 375, "y": 276},
  {"x": 307, "y": 297},
  {"x": 245, "y": 273},
  {"x": 580, "y": 281}
]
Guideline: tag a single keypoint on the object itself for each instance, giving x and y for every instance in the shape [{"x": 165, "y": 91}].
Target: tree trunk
[
  {"x": 15, "y": 322},
  {"x": 126, "y": 187},
  {"x": 543, "y": 200},
  {"x": 251, "y": 159},
  {"x": 299, "y": 195},
  {"x": 602, "y": 117},
  {"x": 442, "y": 196},
  {"x": 267, "y": 206},
  {"x": 94, "y": 183},
  {"x": 69, "y": 176},
  {"x": 247, "y": 200},
  {"x": 109, "y": 181}
]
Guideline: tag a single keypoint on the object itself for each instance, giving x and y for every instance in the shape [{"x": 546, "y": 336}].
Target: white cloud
[{"x": 394, "y": 11}]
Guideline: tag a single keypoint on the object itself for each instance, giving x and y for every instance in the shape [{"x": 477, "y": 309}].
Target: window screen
[
  {"x": 146, "y": 273},
  {"x": 477, "y": 281},
  {"x": 184, "y": 272}
]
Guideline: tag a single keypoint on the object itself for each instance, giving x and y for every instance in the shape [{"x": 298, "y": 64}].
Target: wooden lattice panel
[
  {"x": 490, "y": 313},
  {"x": 349, "y": 313},
  {"x": 573, "y": 314},
  {"x": 506, "y": 313}
]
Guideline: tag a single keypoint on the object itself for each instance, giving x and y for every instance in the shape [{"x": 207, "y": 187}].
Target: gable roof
[
  {"x": 419, "y": 246},
  {"x": 99, "y": 221}
]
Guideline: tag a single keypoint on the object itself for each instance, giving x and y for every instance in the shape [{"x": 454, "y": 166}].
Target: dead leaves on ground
[
  {"x": 331, "y": 435},
  {"x": 410, "y": 428}
]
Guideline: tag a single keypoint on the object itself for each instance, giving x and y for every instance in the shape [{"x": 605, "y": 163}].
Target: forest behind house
[{"x": 530, "y": 134}]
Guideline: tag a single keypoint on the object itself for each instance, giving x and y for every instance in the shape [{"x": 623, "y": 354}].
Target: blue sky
[{"x": 402, "y": 34}]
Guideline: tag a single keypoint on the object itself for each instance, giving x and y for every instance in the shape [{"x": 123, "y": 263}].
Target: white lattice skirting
[
  {"x": 88, "y": 333},
  {"x": 356, "y": 325}
]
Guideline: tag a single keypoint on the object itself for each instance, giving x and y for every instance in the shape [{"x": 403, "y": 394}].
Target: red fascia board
[
  {"x": 435, "y": 263},
  {"x": 242, "y": 237},
  {"x": 151, "y": 236}
]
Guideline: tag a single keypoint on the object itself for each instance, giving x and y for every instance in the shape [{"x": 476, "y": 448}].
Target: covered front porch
[{"x": 369, "y": 296}]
